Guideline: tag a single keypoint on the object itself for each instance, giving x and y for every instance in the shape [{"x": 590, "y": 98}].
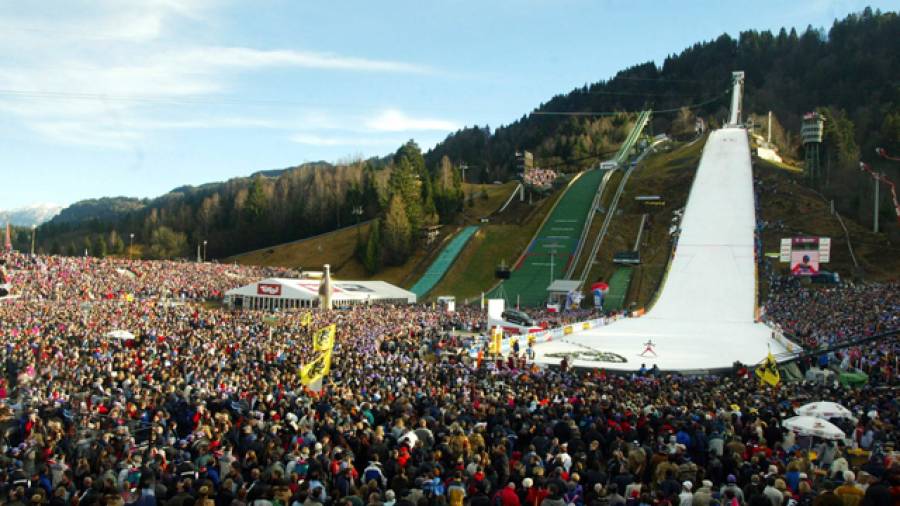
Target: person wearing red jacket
[
  {"x": 508, "y": 496},
  {"x": 536, "y": 494}
]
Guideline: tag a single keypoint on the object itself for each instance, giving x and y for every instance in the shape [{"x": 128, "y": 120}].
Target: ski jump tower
[
  {"x": 812, "y": 131},
  {"x": 737, "y": 93}
]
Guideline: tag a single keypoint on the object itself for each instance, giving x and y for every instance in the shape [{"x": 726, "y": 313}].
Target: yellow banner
[
  {"x": 323, "y": 339},
  {"x": 767, "y": 372},
  {"x": 317, "y": 369},
  {"x": 306, "y": 320},
  {"x": 567, "y": 329},
  {"x": 585, "y": 326},
  {"x": 496, "y": 341}
]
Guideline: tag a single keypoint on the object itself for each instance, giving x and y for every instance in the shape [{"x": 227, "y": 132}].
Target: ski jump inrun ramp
[{"x": 704, "y": 318}]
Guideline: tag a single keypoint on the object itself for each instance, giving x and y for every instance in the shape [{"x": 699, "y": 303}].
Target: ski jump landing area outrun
[{"x": 704, "y": 318}]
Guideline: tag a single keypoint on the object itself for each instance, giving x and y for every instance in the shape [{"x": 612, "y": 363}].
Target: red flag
[{"x": 8, "y": 240}]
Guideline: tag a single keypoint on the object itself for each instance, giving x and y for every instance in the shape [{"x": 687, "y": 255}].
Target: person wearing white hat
[{"x": 686, "y": 497}]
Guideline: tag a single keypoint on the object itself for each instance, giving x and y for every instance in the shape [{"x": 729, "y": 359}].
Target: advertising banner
[{"x": 268, "y": 289}]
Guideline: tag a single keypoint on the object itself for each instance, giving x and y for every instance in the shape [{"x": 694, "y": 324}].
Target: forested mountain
[
  {"x": 849, "y": 73},
  {"x": 235, "y": 215},
  {"x": 269, "y": 208},
  {"x": 851, "y": 67},
  {"x": 106, "y": 208}
]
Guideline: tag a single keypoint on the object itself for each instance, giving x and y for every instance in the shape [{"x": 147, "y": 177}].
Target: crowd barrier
[{"x": 542, "y": 337}]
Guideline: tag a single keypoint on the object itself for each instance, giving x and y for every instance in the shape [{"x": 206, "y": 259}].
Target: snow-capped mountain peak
[{"x": 29, "y": 215}]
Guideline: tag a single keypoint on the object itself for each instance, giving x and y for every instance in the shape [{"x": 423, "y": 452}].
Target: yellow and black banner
[{"x": 767, "y": 372}]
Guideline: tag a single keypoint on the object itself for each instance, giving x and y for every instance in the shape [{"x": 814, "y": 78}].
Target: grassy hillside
[
  {"x": 311, "y": 253},
  {"x": 337, "y": 247},
  {"x": 503, "y": 239},
  {"x": 791, "y": 208}
]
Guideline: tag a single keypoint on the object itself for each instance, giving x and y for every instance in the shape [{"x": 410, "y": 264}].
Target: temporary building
[{"x": 284, "y": 293}]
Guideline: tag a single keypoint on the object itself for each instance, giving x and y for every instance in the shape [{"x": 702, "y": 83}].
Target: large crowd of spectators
[
  {"x": 205, "y": 406},
  {"x": 540, "y": 178},
  {"x": 67, "y": 278},
  {"x": 823, "y": 316}
]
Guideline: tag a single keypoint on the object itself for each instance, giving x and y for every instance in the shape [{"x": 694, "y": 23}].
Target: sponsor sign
[
  {"x": 824, "y": 249},
  {"x": 785, "y": 253},
  {"x": 313, "y": 286},
  {"x": 268, "y": 289},
  {"x": 536, "y": 336}
]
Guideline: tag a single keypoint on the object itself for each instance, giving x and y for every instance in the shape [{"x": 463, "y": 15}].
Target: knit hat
[{"x": 687, "y": 485}]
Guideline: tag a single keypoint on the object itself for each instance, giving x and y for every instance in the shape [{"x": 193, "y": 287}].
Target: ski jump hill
[
  {"x": 705, "y": 316},
  {"x": 560, "y": 240}
]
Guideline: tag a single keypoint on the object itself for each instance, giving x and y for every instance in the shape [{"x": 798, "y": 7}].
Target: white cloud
[
  {"x": 243, "y": 57},
  {"x": 64, "y": 79},
  {"x": 318, "y": 140},
  {"x": 393, "y": 120}
]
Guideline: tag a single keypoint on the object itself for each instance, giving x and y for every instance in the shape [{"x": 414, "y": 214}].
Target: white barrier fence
[{"x": 543, "y": 336}]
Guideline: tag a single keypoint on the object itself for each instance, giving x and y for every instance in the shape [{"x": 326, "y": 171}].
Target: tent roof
[{"x": 308, "y": 289}]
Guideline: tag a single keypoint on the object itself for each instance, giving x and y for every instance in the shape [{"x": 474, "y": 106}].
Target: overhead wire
[{"x": 615, "y": 113}]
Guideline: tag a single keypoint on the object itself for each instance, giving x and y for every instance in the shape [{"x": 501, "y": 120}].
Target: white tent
[
  {"x": 811, "y": 426},
  {"x": 824, "y": 409},
  {"x": 285, "y": 293}
]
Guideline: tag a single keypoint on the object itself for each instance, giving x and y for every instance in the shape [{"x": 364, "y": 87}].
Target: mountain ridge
[
  {"x": 30, "y": 215},
  {"x": 845, "y": 73}
]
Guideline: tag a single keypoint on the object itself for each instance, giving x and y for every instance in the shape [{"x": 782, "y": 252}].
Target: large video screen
[{"x": 804, "y": 256}]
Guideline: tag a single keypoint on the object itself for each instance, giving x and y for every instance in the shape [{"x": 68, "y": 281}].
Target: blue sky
[{"x": 136, "y": 97}]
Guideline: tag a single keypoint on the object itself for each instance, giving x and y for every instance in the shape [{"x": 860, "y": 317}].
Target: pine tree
[
  {"x": 448, "y": 193},
  {"x": 116, "y": 245},
  {"x": 166, "y": 243},
  {"x": 397, "y": 232},
  {"x": 372, "y": 258},
  {"x": 99, "y": 250}
]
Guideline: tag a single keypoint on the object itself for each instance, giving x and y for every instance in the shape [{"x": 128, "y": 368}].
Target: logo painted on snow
[{"x": 268, "y": 289}]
